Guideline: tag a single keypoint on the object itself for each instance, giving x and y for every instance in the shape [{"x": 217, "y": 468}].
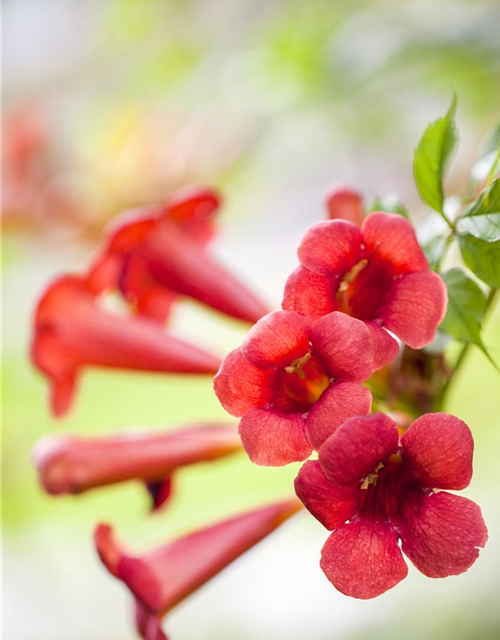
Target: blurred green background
[{"x": 112, "y": 104}]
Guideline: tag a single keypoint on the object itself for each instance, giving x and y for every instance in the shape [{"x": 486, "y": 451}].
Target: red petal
[
  {"x": 385, "y": 348},
  {"x": 309, "y": 293},
  {"x": 441, "y": 533},
  {"x": 163, "y": 577},
  {"x": 357, "y": 447},
  {"x": 416, "y": 307},
  {"x": 344, "y": 345},
  {"x": 362, "y": 559},
  {"x": 272, "y": 438},
  {"x": 345, "y": 203},
  {"x": 277, "y": 339},
  {"x": 392, "y": 239},
  {"x": 438, "y": 449},
  {"x": 342, "y": 400},
  {"x": 240, "y": 386},
  {"x": 329, "y": 503},
  {"x": 331, "y": 248}
]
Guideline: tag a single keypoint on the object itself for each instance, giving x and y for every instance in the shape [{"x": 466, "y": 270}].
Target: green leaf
[
  {"x": 389, "y": 203},
  {"x": 482, "y": 258},
  {"x": 432, "y": 157},
  {"x": 466, "y": 309},
  {"x": 482, "y": 218}
]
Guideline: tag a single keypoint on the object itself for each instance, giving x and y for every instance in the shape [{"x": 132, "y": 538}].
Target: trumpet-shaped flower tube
[
  {"x": 163, "y": 577},
  {"x": 373, "y": 488},
  {"x": 294, "y": 382},
  {"x": 159, "y": 253},
  {"x": 71, "y": 331},
  {"x": 377, "y": 274},
  {"x": 344, "y": 203},
  {"x": 72, "y": 465}
]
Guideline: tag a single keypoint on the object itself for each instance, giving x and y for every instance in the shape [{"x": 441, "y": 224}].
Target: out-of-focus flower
[
  {"x": 71, "y": 331},
  {"x": 344, "y": 203},
  {"x": 163, "y": 577},
  {"x": 295, "y": 382},
  {"x": 372, "y": 488},
  {"x": 378, "y": 274},
  {"x": 159, "y": 252},
  {"x": 30, "y": 195},
  {"x": 68, "y": 464}
]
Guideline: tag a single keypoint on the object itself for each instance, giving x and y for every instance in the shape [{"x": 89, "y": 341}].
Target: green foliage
[
  {"x": 432, "y": 158},
  {"x": 482, "y": 218},
  {"x": 479, "y": 235},
  {"x": 466, "y": 308},
  {"x": 482, "y": 258}
]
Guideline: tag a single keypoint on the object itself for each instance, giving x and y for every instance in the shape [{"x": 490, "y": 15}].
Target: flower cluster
[
  {"x": 299, "y": 383},
  {"x": 295, "y": 383}
]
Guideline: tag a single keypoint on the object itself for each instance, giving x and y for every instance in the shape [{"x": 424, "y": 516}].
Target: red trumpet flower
[
  {"x": 67, "y": 464},
  {"x": 344, "y": 203},
  {"x": 372, "y": 488},
  {"x": 71, "y": 332},
  {"x": 159, "y": 253},
  {"x": 378, "y": 274},
  {"x": 294, "y": 383},
  {"x": 160, "y": 579}
]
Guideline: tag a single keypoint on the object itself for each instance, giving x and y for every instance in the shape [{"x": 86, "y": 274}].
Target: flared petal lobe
[
  {"x": 385, "y": 348},
  {"x": 362, "y": 559},
  {"x": 329, "y": 503},
  {"x": 358, "y": 447},
  {"x": 342, "y": 400},
  {"x": 277, "y": 339},
  {"x": 416, "y": 307},
  {"x": 344, "y": 345},
  {"x": 438, "y": 449},
  {"x": 272, "y": 438},
  {"x": 240, "y": 385},
  {"x": 441, "y": 532},
  {"x": 331, "y": 247},
  {"x": 309, "y": 293},
  {"x": 391, "y": 239}
]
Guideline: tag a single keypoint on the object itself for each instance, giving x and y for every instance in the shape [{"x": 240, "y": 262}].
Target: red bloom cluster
[
  {"x": 371, "y": 488},
  {"x": 294, "y": 382}
]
